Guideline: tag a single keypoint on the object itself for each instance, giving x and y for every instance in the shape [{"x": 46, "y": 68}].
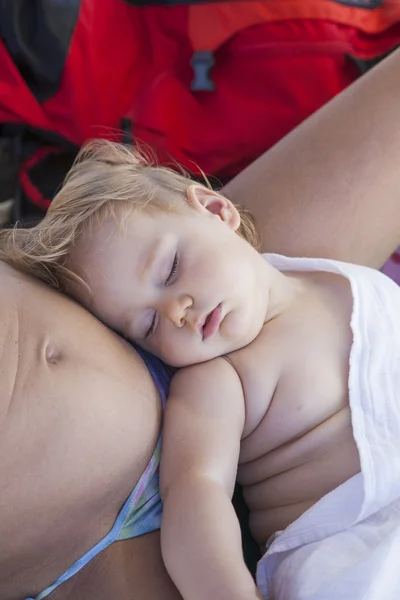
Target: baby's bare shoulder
[
  {"x": 205, "y": 378},
  {"x": 259, "y": 366}
]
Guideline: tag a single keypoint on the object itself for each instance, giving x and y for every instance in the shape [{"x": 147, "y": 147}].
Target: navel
[{"x": 52, "y": 353}]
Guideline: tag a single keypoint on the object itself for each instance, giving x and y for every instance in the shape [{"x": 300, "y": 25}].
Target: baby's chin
[
  {"x": 188, "y": 360},
  {"x": 180, "y": 363}
]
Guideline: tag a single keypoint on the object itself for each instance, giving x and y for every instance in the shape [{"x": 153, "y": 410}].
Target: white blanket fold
[{"x": 347, "y": 546}]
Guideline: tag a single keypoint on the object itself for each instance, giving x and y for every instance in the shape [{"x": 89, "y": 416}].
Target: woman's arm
[{"x": 331, "y": 188}]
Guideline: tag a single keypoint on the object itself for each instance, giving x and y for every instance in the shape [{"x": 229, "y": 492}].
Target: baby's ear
[{"x": 203, "y": 199}]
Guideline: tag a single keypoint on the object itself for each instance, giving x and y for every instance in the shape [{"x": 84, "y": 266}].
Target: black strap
[
  {"x": 367, "y": 4},
  {"x": 143, "y": 3},
  {"x": 37, "y": 35}
]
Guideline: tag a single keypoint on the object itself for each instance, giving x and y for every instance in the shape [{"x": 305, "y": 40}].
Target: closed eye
[
  {"x": 168, "y": 281},
  {"x": 173, "y": 271},
  {"x": 152, "y": 327}
]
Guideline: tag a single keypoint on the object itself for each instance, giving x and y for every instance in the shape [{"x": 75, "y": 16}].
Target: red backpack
[{"x": 211, "y": 85}]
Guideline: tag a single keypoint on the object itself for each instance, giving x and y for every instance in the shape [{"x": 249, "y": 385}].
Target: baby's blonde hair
[{"x": 104, "y": 175}]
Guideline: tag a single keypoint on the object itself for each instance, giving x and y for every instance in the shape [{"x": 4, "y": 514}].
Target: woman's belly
[
  {"x": 283, "y": 483},
  {"x": 79, "y": 420}
]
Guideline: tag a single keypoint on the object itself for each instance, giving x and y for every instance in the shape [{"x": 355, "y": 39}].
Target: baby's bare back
[{"x": 298, "y": 443}]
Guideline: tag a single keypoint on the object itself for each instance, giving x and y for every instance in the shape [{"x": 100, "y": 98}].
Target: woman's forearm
[{"x": 332, "y": 186}]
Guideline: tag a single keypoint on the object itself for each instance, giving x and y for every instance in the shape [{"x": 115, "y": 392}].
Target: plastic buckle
[{"x": 202, "y": 62}]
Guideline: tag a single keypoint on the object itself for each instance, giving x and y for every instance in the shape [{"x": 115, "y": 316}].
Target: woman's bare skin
[
  {"x": 74, "y": 441},
  {"x": 330, "y": 189}
]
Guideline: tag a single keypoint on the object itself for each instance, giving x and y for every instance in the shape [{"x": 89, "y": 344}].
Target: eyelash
[
  {"x": 152, "y": 328},
  {"x": 173, "y": 270},
  {"x": 167, "y": 282}
]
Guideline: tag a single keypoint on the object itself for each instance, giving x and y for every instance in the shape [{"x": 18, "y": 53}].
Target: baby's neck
[{"x": 284, "y": 289}]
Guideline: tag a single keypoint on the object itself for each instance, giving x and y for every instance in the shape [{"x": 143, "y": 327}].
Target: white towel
[{"x": 347, "y": 546}]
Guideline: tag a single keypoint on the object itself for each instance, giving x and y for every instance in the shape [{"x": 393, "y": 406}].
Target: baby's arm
[{"x": 200, "y": 533}]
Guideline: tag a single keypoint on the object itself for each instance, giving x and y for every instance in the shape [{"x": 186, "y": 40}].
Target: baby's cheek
[
  {"x": 177, "y": 353},
  {"x": 161, "y": 347},
  {"x": 176, "y": 356},
  {"x": 233, "y": 324}
]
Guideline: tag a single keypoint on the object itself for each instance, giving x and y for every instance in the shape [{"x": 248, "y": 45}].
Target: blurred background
[{"x": 210, "y": 85}]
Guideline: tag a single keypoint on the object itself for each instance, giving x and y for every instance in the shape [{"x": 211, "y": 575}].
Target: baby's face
[{"x": 183, "y": 286}]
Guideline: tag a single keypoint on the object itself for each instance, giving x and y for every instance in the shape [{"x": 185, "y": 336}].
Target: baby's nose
[{"x": 176, "y": 310}]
